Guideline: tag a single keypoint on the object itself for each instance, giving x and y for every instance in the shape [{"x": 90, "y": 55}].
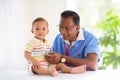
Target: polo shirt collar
[{"x": 80, "y": 35}]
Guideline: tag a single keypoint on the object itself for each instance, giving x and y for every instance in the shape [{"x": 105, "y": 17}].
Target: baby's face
[{"x": 40, "y": 29}]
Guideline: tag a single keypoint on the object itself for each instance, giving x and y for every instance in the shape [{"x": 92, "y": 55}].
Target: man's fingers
[
  {"x": 50, "y": 53},
  {"x": 47, "y": 56},
  {"x": 50, "y": 56},
  {"x": 51, "y": 60}
]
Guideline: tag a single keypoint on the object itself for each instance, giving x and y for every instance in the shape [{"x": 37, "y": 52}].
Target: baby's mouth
[{"x": 40, "y": 34}]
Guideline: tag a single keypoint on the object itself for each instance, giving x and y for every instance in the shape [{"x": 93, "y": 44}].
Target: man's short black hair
[{"x": 73, "y": 15}]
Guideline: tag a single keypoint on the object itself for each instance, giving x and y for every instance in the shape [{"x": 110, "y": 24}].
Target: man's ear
[{"x": 78, "y": 28}]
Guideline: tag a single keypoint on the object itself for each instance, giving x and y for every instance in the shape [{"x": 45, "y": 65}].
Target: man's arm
[{"x": 90, "y": 60}]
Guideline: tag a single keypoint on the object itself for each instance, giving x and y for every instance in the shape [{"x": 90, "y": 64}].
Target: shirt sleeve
[
  {"x": 30, "y": 45},
  {"x": 53, "y": 47},
  {"x": 92, "y": 46}
]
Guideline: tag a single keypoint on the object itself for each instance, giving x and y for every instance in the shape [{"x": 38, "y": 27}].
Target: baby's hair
[{"x": 39, "y": 19}]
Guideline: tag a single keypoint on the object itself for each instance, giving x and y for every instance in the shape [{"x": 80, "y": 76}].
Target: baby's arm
[
  {"x": 29, "y": 47},
  {"x": 30, "y": 58}
]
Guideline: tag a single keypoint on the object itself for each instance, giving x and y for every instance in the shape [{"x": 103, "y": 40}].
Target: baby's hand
[
  {"x": 36, "y": 67},
  {"x": 35, "y": 62}
]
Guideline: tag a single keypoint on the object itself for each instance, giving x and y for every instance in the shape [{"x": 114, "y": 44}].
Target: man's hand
[{"x": 53, "y": 57}]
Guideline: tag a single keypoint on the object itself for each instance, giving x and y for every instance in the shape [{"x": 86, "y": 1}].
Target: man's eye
[{"x": 67, "y": 28}]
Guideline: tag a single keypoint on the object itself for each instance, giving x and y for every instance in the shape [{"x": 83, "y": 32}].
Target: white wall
[{"x": 16, "y": 17}]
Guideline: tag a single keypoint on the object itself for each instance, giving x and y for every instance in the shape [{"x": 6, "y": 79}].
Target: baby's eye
[
  {"x": 37, "y": 28},
  {"x": 43, "y": 28}
]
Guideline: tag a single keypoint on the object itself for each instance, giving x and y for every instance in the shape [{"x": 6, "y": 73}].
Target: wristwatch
[{"x": 63, "y": 59}]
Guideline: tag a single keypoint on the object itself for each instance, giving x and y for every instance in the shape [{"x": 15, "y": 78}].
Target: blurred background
[{"x": 100, "y": 17}]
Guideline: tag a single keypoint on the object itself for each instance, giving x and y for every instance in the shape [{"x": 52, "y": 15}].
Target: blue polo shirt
[{"x": 85, "y": 44}]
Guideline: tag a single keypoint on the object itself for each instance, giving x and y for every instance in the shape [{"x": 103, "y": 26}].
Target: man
[{"x": 74, "y": 46}]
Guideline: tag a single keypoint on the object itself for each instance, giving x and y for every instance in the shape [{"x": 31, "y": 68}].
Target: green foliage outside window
[{"x": 110, "y": 39}]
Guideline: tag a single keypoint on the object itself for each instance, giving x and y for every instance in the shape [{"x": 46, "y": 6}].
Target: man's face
[{"x": 68, "y": 29}]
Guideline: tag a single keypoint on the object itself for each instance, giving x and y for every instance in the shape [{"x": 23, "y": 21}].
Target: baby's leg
[
  {"x": 78, "y": 69},
  {"x": 75, "y": 70},
  {"x": 39, "y": 70},
  {"x": 63, "y": 68},
  {"x": 52, "y": 69}
]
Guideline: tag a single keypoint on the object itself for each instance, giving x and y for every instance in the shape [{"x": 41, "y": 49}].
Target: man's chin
[{"x": 65, "y": 38}]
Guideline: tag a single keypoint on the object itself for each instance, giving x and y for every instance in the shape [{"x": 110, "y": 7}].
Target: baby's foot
[
  {"x": 79, "y": 69},
  {"x": 53, "y": 71}
]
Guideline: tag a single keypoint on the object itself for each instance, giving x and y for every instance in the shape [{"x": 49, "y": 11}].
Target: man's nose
[{"x": 63, "y": 31}]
